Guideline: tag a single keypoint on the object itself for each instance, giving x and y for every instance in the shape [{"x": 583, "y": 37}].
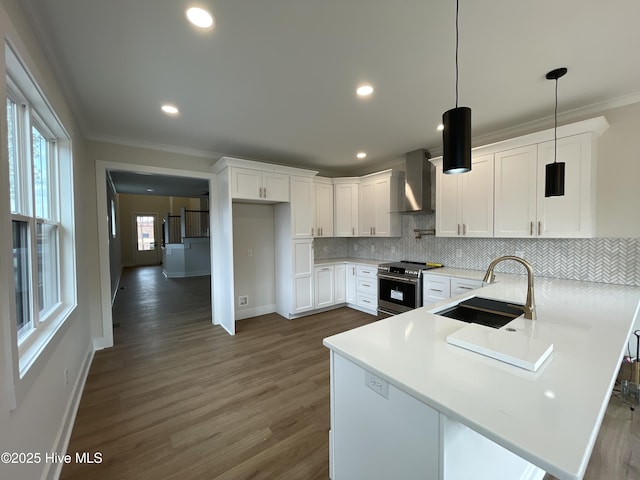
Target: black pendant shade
[
  {"x": 456, "y": 140},
  {"x": 554, "y": 173},
  {"x": 554, "y": 179}
]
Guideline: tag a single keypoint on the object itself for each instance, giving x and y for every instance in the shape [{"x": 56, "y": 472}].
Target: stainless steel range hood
[{"x": 418, "y": 196}]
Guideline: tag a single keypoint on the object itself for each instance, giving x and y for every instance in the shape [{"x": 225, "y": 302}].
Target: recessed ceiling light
[
  {"x": 200, "y": 17},
  {"x": 364, "y": 90},
  {"x": 361, "y": 155},
  {"x": 440, "y": 127},
  {"x": 170, "y": 109}
]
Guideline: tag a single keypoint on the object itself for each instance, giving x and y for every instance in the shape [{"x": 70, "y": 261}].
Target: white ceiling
[{"x": 275, "y": 79}]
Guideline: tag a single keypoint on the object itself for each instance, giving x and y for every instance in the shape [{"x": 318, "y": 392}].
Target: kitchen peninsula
[{"x": 405, "y": 403}]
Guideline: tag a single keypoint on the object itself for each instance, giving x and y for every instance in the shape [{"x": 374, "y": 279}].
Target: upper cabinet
[
  {"x": 250, "y": 184},
  {"x": 302, "y": 200},
  {"x": 464, "y": 203},
  {"x": 522, "y": 210},
  {"x": 323, "y": 189},
  {"x": 380, "y": 198},
  {"x": 345, "y": 206},
  {"x": 503, "y": 195}
]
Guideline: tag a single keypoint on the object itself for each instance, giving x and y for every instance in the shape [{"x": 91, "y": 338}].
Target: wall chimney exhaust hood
[{"x": 417, "y": 188}]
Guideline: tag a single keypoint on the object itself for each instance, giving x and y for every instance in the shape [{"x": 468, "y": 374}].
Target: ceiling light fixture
[
  {"x": 200, "y": 17},
  {"x": 364, "y": 90},
  {"x": 361, "y": 155},
  {"x": 170, "y": 109},
  {"x": 554, "y": 172},
  {"x": 456, "y": 134}
]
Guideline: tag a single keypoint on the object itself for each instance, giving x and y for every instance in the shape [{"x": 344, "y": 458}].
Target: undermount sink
[{"x": 483, "y": 311}]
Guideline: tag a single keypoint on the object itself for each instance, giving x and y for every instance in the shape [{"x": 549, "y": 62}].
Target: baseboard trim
[
  {"x": 52, "y": 471},
  {"x": 255, "y": 311}
]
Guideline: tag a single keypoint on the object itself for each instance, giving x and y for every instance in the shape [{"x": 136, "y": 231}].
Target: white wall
[
  {"x": 37, "y": 424},
  {"x": 618, "y": 177},
  {"x": 253, "y": 230}
]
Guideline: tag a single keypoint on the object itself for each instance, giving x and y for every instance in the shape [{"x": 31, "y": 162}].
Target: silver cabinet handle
[
  {"x": 458, "y": 229},
  {"x": 312, "y": 232},
  {"x": 354, "y": 270},
  {"x": 435, "y": 290},
  {"x": 374, "y": 230},
  {"x": 370, "y": 230},
  {"x": 531, "y": 229},
  {"x": 321, "y": 231},
  {"x": 464, "y": 229},
  {"x": 365, "y": 301},
  {"x": 539, "y": 228},
  {"x": 326, "y": 268},
  {"x": 353, "y": 231},
  {"x": 463, "y": 287},
  {"x": 366, "y": 285}
]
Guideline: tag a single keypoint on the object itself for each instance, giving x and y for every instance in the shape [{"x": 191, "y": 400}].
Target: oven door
[{"x": 398, "y": 293}]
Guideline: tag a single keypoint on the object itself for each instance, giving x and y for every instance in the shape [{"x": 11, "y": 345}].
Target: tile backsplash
[{"x": 607, "y": 260}]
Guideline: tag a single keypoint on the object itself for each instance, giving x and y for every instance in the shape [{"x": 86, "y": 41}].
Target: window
[{"x": 41, "y": 203}]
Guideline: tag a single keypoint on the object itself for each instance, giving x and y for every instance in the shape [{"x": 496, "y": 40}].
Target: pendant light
[
  {"x": 554, "y": 172},
  {"x": 456, "y": 135}
]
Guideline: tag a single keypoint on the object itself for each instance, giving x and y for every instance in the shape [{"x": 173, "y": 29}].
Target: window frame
[{"x": 58, "y": 265}]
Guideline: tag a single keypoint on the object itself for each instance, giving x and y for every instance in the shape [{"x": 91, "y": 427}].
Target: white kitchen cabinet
[
  {"x": 367, "y": 289},
  {"x": 324, "y": 286},
  {"x": 573, "y": 214},
  {"x": 345, "y": 207},
  {"x": 323, "y": 200},
  {"x": 379, "y": 203},
  {"x": 440, "y": 287},
  {"x": 377, "y": 430},
  {"x": 303, "y": 272},
  {"x": 435, "y": 288},
  {"x": 250, "y": 184},
  {"x": 350, "y": 277},
  {"x": 339, "y": 283},
  {"x": 465, "y": 201},
  {"x": 522, "y": 210},
  {"x": 302, "y": 196}
]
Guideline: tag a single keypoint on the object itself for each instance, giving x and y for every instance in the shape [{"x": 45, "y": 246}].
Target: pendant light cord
[
  {"x": 457, "y": 10},
  {"x": 555, "y": 127}
]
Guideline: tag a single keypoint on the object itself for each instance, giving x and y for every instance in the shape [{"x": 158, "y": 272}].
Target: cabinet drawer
[
  {"x": 463, "y": 285},
  {"x": 436, "y": 287},
  {"x": 367, "y": 285},
  {"x": 367, "y": 301},
  {"x": 367, "y": 271}
]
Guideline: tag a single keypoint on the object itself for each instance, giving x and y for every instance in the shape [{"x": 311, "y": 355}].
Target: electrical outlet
[
  {"x": 458, "y": 253},
  {"x": 249, "y": 252},
  {"x": 393, "y": 249},
  {"x": 378, "y": 385},
  {"x": 243, "y": 300},
  {"x": 520, "y": 253},
  {"x": 355, "y": 247},
  {"x": 66, "y": 377},
  {"x": 373, "y": 248}
]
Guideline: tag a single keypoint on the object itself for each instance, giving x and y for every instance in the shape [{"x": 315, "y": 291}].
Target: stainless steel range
[{"x": 400, "y": 286}]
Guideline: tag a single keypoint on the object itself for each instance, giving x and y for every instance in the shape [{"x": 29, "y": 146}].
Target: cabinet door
[
  {"x": 339, "y": 284},
  {"x": 302, "y": 276},
  {"x": 276, "y": 186},
  {"x": 477, "y": 198},
  {"x": 382, "y": 207},
  {"x": 323, "y": 287},
  {"x": 346, "y": 210},
  {"x": 366, "y": 209},
  {"x": 245, "y": 183},
  {"x": 570, "y": 215},
  {"x": 351, "y": 283},
  {"x": 515, "y": 192},
  {"x": 301, "y": 207},
  {"x": 448, "y": 204},
  {"x": 323, "y": 210}
]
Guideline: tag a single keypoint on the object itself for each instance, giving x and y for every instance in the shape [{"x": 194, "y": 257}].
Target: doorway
[{"x": 146, "y": 233}]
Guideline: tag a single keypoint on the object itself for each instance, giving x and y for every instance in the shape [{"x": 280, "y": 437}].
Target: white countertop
[
  {"x": 550, "y": 417},
  {"x": 360, "y": 261}
]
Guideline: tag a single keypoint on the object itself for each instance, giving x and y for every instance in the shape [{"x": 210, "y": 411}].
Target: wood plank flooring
[{"x": 179, "y": 399}]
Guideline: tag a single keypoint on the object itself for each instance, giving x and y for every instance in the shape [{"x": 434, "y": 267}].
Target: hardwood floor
[{"x": 179, "y": 399}]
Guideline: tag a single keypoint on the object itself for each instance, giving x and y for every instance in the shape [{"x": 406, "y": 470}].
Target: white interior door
[{"x": 146, "y": 239}]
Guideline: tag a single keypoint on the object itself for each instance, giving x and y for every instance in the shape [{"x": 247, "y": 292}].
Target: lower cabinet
[
  {"x": 302, "y": 276},
  {"x": 440, "y": 287},
  {"x": 367, "y": 289},
  {"x": 351, "y": 283},
  {"x": 324, "y": 286},
  {"x": 340, "y": 283}
]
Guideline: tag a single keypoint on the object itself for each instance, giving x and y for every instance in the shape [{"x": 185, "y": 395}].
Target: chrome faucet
[{"x": 529, "y": 306}]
